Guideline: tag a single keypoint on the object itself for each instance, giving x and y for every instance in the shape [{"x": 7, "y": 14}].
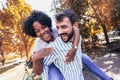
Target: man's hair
[
  {"x": 39, "y": 16},
  {"x": 67, "y": 13}
]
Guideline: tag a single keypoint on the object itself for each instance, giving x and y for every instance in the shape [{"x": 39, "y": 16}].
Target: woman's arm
[
  {"x": 71, "y": 53},
  {"x": 38, "y": 59},
  {"x": 37, "y": 64},
  {"x": 76, "y": 38}
]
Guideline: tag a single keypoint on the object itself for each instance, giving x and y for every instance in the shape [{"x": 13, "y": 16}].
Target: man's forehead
[{"x": 64, "y": 21}]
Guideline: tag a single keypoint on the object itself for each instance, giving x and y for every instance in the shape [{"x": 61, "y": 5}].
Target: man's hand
[
  {"x": 70, "y": 56},
  {"x": 42, "y": 53}
]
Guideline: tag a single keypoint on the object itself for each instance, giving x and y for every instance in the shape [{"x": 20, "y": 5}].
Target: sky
[
  {"x": 42, "y": 5},
  {"x": 2, "y": 2}
]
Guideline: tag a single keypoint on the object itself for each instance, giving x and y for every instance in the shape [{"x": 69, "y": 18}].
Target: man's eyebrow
[{"x": 63, "y": 25}]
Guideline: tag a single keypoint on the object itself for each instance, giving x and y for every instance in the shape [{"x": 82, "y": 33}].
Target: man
[
  {"x": 39, "y": 24},
  {"x": 62, "y": 44}
]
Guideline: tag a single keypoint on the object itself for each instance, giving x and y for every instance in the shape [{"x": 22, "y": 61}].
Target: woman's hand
[
  {"x": 70, "y": 56},
  {"x": 42, "y": 53}
]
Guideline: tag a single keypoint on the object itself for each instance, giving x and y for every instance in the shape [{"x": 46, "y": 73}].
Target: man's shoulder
[{"x": 58, "y": 39}]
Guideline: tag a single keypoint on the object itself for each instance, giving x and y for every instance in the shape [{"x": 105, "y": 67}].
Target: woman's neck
[{"x": 52, "y": 38}]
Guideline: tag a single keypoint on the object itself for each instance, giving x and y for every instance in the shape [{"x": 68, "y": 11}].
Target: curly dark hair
[
  {"x": 67, "y": 13},
  {"x": 39, "y": 16}
]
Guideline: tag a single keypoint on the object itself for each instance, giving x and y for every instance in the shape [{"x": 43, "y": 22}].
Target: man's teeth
[{"x": 64, "y": 36}]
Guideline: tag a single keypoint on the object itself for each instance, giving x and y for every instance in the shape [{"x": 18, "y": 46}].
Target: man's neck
[{"x": 72, "y": 39}]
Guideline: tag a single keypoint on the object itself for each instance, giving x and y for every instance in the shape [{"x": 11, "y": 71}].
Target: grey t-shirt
[{"x": 40, "y": 44}]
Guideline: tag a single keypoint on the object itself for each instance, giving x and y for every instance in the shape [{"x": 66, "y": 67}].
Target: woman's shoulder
[{"x": 54, "y": 32}]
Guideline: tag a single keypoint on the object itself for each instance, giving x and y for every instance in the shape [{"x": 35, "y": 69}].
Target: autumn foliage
[
  {"x": 94, "y": 16},
  {"x": 12, "y": 38}
]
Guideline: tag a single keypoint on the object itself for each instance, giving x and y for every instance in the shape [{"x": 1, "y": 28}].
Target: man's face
[
  {"x": 65, "y": 29},
  {"x": 42, "y": 31}
]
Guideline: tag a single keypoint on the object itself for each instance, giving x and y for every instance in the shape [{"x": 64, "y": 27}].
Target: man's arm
[{"x": 71, "y": 53}]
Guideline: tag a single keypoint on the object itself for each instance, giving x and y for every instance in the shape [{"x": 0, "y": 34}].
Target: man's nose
[{"x": 60, "y": 31}]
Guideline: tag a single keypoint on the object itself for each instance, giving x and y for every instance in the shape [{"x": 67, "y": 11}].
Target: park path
[
  {"x": 109, "y": 64},
  {"x": 13, "y": 74}
]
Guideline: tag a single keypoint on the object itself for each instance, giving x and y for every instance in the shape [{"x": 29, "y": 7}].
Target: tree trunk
[
  {"x": 21, "y": 55},
  {"x": 2, "y": 54},
  {"x": 105, "y": 34},
  {"x": 3, "y": 58},
  {"x": 27, "y": 53}
]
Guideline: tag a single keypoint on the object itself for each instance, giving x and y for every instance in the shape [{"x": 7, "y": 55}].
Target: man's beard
[{"x": 69, "y": 36}]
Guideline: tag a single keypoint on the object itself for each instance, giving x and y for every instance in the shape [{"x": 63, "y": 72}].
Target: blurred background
[{"x": 99, "y": 23}]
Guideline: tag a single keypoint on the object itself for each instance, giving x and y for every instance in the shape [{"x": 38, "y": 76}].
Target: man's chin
[{"x": 65, "y": 40}]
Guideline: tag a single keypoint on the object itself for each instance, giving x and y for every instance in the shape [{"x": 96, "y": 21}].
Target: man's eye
[
  {"x": 57, "y": 27},
  {"x": 64, "y": 27}
]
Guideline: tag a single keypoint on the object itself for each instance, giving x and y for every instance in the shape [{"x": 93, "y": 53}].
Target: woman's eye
[{"x": 44, "y": 26}]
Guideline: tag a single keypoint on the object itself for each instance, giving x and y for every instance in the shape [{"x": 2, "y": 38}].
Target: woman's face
[{"x": 42, "y": 31}]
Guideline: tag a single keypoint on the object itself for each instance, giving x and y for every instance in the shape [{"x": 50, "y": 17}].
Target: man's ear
[{"x": 75, "y": 25}]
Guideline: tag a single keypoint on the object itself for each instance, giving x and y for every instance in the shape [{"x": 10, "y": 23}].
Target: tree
[
  {"x": 12, "y": 18},
  {"x": 103, "y": 12}
]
